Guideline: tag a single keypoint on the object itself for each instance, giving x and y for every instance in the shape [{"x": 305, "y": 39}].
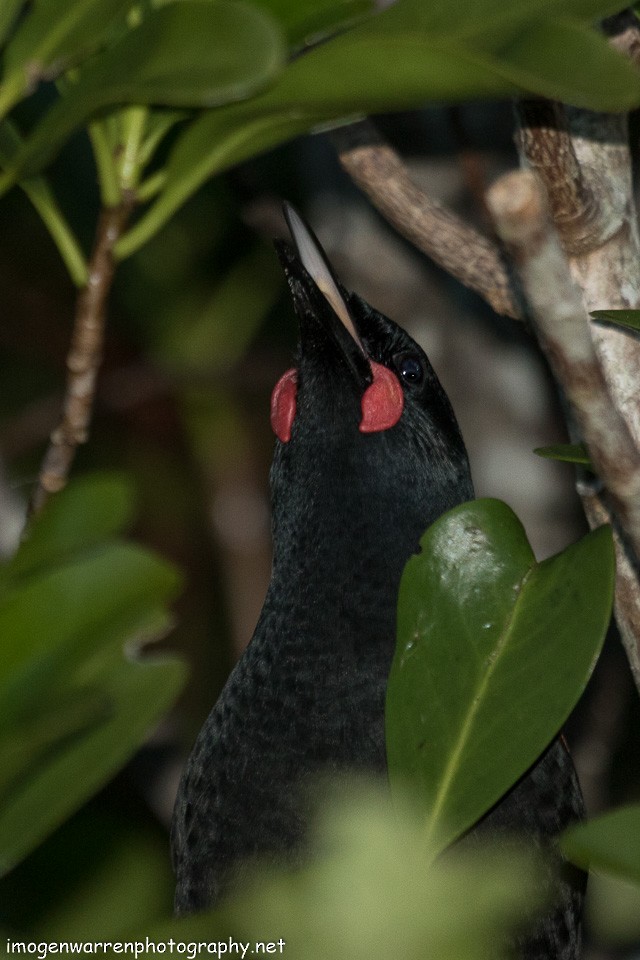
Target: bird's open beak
[{"x": 313, "y": 259}]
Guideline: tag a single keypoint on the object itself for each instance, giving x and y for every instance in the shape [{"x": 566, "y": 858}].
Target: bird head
[{"x": 364, "y": 427}]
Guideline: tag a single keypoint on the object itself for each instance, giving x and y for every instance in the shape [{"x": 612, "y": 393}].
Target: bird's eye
[{"x": 411, "y": 369}]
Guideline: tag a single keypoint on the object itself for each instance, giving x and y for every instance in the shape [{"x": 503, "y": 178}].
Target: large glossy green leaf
[
  {"x": 49, "y": 39},
  {"x": 493, "y": 652},
  {"x": 609, "y": 843},
  {"x": 382, "y": 66},
  {"x": 188, "y": 54}
]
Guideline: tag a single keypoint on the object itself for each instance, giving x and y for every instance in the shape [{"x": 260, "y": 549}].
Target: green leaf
[
  {"x": 609, "y": 843},
  {"x": 215, "y": 142},
  {"x": 589, "y": 10},
  {"x": 76, "y": 697},
  {"x": 566, "y": 452},
  {"x": 53, "y": 36},
  {"x": 347, "y": 76},
  {"x": 188, "y": 54},
  {"x": 159, "y": 123},
  {"x": 467, "y": 19},
  {"x": 493, "y": 652},
  {"x": 65, "y": 633},
  {"x": 622, "y": 318},
  {"x": 9, "y": 10},
  {"x": 382, "y": 66},
  {"x": 25, "y": 745},
  {"x": 51, "y": 619},
  {"x": 87, "y": 512},
  {"x": 566, "y": 60},
  {"x": 47, "y": 794},
  {"x": 307, "y": 21}
]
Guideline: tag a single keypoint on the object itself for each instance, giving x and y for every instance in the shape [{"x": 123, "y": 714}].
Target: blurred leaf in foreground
[
  {"x": 609, "y": 847},
  {"x": 610, "y": 842},
  {"x": 371, "y": 891},
  {"x": 76, "y": 695}
]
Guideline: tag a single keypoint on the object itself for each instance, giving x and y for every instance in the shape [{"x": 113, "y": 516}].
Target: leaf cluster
[
  {"x": 77, "y": 693},
  {"x": 175, "y": 92}
]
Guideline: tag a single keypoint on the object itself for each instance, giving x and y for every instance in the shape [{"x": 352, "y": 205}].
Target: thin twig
[
  {"x": 521, "y": 215},
  {"x": 464, "y": 252},
  {"x": 83, "y": 359}
]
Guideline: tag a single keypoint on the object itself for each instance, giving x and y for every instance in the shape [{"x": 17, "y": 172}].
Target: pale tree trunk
[
  {"x": 569, "y": 231},
  {"x": 583, "y": 160}
]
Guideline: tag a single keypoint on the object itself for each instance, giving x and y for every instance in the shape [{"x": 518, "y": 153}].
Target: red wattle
[
  {"x": 283, "y": 405},
  {"x": 382, "y": 401}
]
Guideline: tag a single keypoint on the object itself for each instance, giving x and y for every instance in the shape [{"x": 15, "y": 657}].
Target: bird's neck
[{"x": 337, "y": 568}]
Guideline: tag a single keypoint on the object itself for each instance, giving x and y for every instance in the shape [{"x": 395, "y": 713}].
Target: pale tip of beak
[{"x": 314, "y": 260}]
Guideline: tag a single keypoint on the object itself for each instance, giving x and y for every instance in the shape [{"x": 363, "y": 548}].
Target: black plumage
[{"x": 307, "y": 696}]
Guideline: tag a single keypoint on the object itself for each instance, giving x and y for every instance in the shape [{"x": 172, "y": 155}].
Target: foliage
[
  {"x": 124, "y": 68},
  {"x": 76, "y": 696}
]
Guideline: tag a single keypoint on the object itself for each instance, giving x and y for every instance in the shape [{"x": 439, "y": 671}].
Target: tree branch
[
  {"x": 578, "y": 202},
  {"x": 584, "y": 161},
  {"x": 464, "y": 252},
  {"x": 518, "y": 205},
  {"x": 593, "y": 149},
  {"x": 83, "y": 359}
]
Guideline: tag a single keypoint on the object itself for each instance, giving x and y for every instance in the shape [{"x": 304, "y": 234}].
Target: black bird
[{"x": 368, "y": 454}]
